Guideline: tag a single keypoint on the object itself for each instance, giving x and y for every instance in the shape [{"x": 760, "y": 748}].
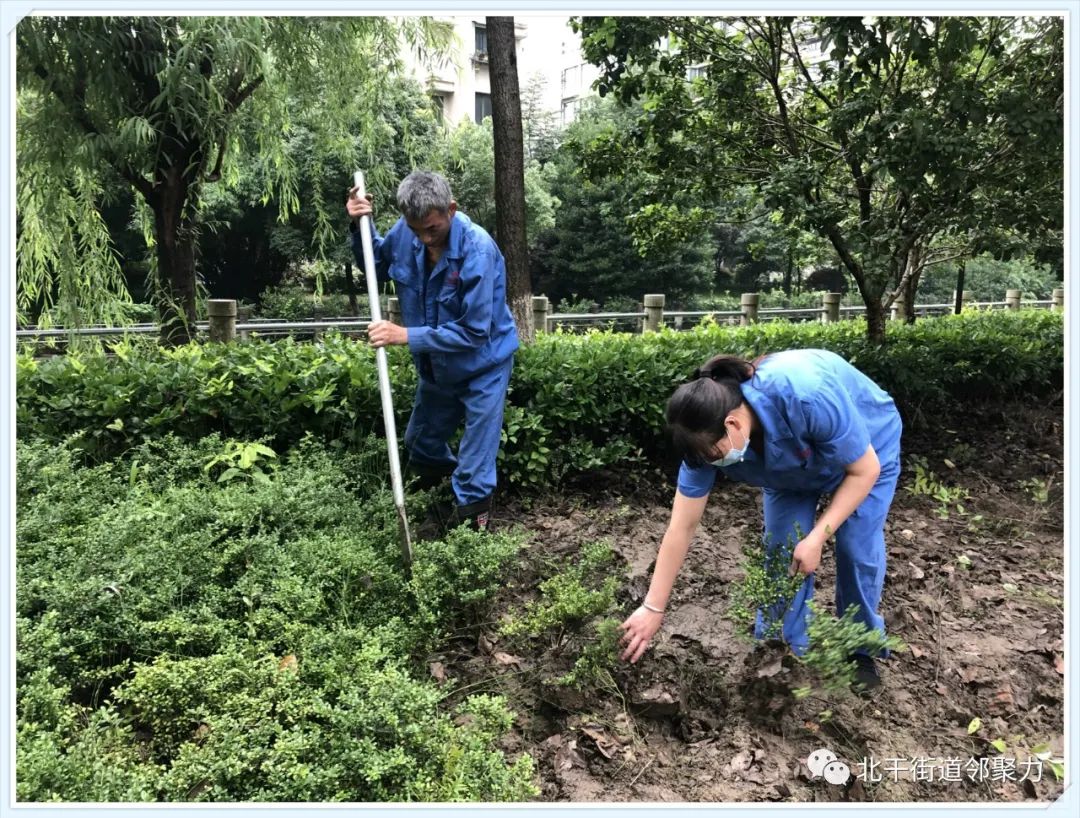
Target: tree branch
[
  {"x": 802, "y": 67},
  {"x": 75, "y": 104}
]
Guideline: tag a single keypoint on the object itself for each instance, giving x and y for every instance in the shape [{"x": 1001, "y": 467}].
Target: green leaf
[
  {"x": 1042, "y": 751},
  {"x": 229, "y": 474},
  {"x": 974, "y": 726},
  {"x": 999, "y": 745}
]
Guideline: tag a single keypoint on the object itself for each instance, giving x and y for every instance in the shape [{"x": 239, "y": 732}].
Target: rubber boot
[
  {"x": 475, "y": 515},
  {"x": 867, "y": 679}
]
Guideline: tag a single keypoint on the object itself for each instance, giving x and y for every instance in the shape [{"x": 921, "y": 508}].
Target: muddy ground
[{"x": 706, "y": 716}]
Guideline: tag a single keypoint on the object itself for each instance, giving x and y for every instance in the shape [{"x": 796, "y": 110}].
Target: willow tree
[{"x": 166, "y": 105}]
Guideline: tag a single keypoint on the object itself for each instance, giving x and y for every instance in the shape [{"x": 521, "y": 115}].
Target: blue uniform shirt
[
  {"x": 458, "y": 321},
  {"x": 818, "y": 414}
]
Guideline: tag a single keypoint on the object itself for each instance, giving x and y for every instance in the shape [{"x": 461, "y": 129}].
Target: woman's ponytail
[{"x": 696, "y": 411}]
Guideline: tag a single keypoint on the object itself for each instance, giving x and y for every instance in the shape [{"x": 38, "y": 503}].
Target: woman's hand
[
  {"x": 638, "y": 630},
  {"x": 807, "y": 555}
]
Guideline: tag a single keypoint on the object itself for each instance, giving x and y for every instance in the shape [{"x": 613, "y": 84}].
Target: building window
[
  {"x": 695, "y": 71},
  {"x": 481, "y": 40},
  {"x": 570, "y": 109},
  {"x": 483, "y": 107},
  {"x": 438, "y": 102}
]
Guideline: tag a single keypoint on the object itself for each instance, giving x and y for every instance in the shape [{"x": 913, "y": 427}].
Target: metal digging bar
[{"x": 384, "y": 379}]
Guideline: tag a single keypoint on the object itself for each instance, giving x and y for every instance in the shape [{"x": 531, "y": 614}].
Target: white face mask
[{"x": 733, "y": 456}]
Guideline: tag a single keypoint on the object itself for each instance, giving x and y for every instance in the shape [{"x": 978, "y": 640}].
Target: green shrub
[
  {"x": 183, "y": 638},
  {"x": 576, "y": 402},
  {"x": 574, "y": 613},
  {"x": 833, "y": 640},
  {"x": 767, "y": 585},
  {"x": 576, "y": 592},
  {"x": 987, "y": 279},
  {"x": 294, "y": 302}
]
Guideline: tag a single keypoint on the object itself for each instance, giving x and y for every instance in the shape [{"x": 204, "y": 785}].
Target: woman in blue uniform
[{"x": 800, "y": 424}]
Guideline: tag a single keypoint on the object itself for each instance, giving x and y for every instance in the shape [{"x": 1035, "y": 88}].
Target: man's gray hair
[{"x": 421, "y": 192}]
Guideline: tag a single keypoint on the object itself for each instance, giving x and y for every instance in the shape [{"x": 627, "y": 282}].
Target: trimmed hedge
[{"x": 576, "y": 401}]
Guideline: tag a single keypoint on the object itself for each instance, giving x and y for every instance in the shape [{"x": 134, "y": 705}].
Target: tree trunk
[
  {"x": 510, "y": 170},
  {"x": 871, "y": 293},
  {"x": 350, "y": 288},
  {"x": 961, "y": 273},
  {"x": 908, "y": 297},
  {"x": 914, "y": 260},
  {"x": 875, "y": 322},
  {"x": 176, "y": 262},
  {"x": 788, "y": 273}
]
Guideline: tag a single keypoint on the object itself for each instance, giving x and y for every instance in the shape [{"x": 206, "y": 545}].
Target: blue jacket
[
  {"x": 458, "y": 321},
  {"x": 818, "y": 414}
]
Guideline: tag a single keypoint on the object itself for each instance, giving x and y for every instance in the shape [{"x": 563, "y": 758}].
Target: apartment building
[{"x": 546, "y": 45}]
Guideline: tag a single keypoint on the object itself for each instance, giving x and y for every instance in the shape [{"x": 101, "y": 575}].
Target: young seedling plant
[{"x": 769, "y": 586}]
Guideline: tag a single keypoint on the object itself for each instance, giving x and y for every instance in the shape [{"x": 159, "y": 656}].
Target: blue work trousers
[
  {"x": 860, "y": 556},
  {"x": 438, "y": 412}
]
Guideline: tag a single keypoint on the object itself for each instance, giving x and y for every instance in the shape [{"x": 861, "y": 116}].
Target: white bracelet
[{"x": 649, "y": 607}]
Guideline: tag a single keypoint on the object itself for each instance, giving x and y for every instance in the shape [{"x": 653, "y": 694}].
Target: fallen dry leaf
[
  {"x": 742, "y": 761},
  {"x": 568, "y": 757},
  {"x": 917, "y": 652},
  {"x": 607, "y": 746},
  {"x": 506, "y": 659},
  {"x": 1059, "y": 664},
  {"x": 287, "y": 663},
  {"x": 770, "y": 668},
  {"x": 438, "y": 672}
]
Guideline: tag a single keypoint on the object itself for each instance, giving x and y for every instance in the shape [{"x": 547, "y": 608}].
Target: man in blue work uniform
[
  {"x": 450, "y": 280},
  {"x": 800, "y": 424}
]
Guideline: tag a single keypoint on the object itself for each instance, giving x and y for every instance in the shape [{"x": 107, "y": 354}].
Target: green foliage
[
  {"x": 987, "y": 279},
  {"x": 592, "y": 669},
  {"x": 589, "y": 252},
  {"x": 767, "y": 585},
  {"x": 241, "y": 460},
  {"x": 167, "y": 105},
  {"x": 876, "y": 133},
  {"x": 570, "y": 596},
  {"x": 833, "y": 640},
  {"x": 927, "y": 484},
  {"x": 576, "y": 402},
  {"x": 294, "y": 302},
  {"x": 467, "y": 156},
  {"x": 575, "y": 614},
  {"x": 181, "y": 638}
]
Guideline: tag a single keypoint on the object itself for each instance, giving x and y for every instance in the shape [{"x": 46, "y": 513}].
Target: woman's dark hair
[{"x": 696, "y": 411}]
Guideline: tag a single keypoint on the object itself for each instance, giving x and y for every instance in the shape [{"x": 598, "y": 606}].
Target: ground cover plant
[{"x": 183, "y": 637}]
